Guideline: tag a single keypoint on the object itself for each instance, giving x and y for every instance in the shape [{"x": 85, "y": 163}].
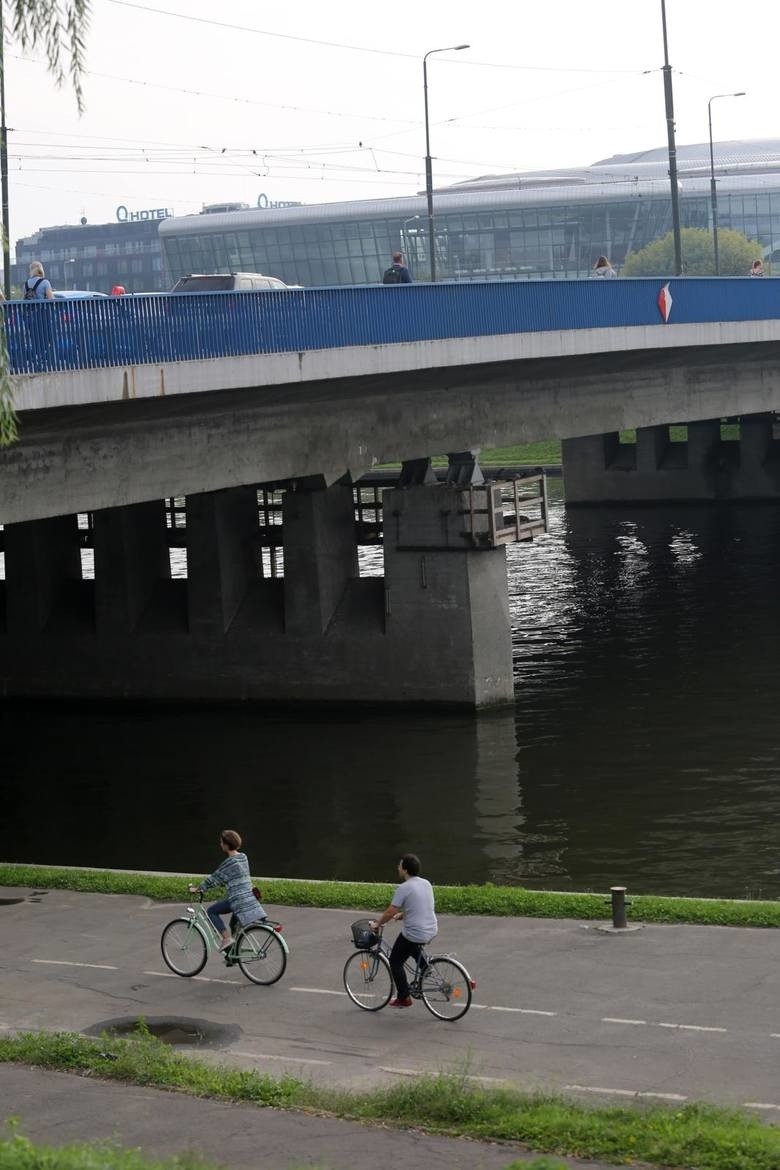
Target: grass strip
[
  {"x": 17, "y": 1152},
  {"x": 694, "y": 1137},
  {"x": 490, "y": 900}
]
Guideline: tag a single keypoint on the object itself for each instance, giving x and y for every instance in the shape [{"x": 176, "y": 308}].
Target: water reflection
[{"x": 642, "y": 748}]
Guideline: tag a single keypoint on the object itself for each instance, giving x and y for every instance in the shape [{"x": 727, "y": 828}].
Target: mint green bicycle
[{"x": 258, "y": 950}]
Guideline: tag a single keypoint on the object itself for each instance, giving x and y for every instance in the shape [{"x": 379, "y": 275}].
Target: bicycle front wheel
[
  {"x": 260, "y": 954},
  {"x": 184, "y": 947},
  {"x": 446, "y": 989},
  {"x": 367, "y": 980}
]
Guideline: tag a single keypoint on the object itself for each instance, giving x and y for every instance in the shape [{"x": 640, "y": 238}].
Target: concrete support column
[
  {"x": 42, "y": 557},
  {"x": 131, "y": 556},
  {"x": 447, "y": 604},
  {"x": 703, "y": 443},
  {"x": 755, "y": 440},
  {"x": 320, "y": 555},
  {"x": 221, "y": 557},
  {"x": 651, "y": 445}
]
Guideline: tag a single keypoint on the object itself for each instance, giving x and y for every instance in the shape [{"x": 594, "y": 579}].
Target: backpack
[
  {"x": 392, "y": 275},
  {"x": 30, "y": 293}
]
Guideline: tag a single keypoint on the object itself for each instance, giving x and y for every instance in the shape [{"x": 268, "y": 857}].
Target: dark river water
[{"x": 642, "y": 749}]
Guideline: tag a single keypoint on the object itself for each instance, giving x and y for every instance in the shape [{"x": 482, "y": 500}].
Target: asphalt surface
[
  {"x": 666, "y": 1013},
  {"x": 60, "y": 1109}
]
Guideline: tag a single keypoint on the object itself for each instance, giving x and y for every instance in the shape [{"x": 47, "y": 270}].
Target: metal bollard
[{"x": 619, "y": 903}]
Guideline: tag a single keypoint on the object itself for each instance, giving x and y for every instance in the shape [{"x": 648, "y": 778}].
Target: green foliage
[
  {"x": 19, "y": 1153},
  {"x": 500, "y": 901},
  {"x": 9, "y": 431},
  {"x": 694, "y": 1136},
  {"x": 735, "y": 255},
  {"x": 59, "y": 28}
]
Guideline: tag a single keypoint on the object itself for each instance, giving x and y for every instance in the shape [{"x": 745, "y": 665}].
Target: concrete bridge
[{"x": 126, "y": 403}]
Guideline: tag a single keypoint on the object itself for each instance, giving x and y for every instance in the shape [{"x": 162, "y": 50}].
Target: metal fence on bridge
[{"x": 159, "y": 328}]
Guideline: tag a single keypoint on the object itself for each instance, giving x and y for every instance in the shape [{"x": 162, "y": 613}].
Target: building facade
[
  {"x": 95, "y": 257},
  {"x": 535, "y": 225}
]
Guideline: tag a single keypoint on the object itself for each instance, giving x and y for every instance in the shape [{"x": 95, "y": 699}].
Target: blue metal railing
[{"x": 133, "y": 330}]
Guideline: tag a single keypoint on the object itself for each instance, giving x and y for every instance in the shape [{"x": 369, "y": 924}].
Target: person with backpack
[
  {"x": 397, "y": 273},
  {"x": 37, "y": 287}
]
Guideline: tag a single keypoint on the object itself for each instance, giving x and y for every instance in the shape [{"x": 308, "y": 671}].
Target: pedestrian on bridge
[
  {"x": 603, "y": 270},
  {"x": 397, "y": 273},
  {"x": 757, "y": 268},
  {"x": 37, "y": 287}
]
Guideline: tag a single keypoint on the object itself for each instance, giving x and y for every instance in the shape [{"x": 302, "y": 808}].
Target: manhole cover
[
  {"x": 175, "y": 1030},
  {"x": 10, "y": 901}
]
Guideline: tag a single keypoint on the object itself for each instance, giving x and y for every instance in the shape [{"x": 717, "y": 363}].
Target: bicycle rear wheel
[
  {"x": 184, "y": 947},
  {"x": 367, "y": 980},
  {"x": 260, "y": 954},
  {"x": 446, "y": 989}
]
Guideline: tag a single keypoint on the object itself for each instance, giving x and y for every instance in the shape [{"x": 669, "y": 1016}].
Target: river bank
[{"x": 490, "y": 900}]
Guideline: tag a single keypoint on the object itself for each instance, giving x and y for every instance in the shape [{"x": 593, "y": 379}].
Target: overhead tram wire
[
  {"x": 230, "y": 97},
  {"x": 357, "y": 48}
]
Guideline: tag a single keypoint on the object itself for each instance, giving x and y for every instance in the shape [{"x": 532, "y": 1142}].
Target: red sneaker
[{"x": 401, "y": 1002}]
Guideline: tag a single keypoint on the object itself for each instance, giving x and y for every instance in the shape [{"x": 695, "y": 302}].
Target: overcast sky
[{"x": 323, "y": 102}]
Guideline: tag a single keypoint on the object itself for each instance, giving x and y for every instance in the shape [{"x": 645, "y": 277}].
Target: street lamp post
[
  {"x": 669, "y": 101},
  {"x": 713, "y": 187},
  {"x": 428, "y": 170},
  {"x": 404, "y": 234},
  {"x": 4, "y": 172}
]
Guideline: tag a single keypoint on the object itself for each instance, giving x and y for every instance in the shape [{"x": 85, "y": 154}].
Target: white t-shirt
[{"x": 415, "y": 898}]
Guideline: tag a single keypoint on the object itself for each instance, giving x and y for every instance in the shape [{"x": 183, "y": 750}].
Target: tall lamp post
[
  {"x": 713, "y": 187},
  {"x": 669, "y": 100},
  {"x": 4, "y": 171},
  {"x": 428, "y": 171}
]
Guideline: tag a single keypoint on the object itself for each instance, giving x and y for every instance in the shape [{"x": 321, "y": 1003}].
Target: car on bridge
[
  {"x": 227, "y": 282},
  {"x": 77, "y": 294}
]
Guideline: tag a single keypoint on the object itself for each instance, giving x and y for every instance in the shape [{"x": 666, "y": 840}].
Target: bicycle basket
[{"x": 362, "y": 934}]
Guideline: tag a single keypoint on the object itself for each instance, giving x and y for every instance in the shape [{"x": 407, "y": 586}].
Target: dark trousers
[{"x": 402, "y": 950}]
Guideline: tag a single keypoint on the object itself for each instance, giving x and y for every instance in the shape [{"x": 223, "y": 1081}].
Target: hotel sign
[
  {"x": 264, "y": 202},
  {"x": 125, "y": 216}
]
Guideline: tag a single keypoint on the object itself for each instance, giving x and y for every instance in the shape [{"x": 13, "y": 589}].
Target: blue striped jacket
[{"x": 233, "y": 874}]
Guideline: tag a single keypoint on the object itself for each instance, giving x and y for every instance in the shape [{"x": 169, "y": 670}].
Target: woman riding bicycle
[{"x": 233, "y": 873}]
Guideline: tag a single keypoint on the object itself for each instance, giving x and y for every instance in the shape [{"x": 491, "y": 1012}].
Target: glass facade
[
  {"x": 95, "y": 257},
  {"x": 550, "y": 226}
]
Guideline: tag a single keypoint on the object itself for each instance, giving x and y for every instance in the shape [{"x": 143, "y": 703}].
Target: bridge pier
[
  {"x": 131, "y": 561},
  {"x": 599, "y": 469},
  {"x": 434, "y": 631}
]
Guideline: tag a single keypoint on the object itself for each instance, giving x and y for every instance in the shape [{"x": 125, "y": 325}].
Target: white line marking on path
[
  {"x": 268, "y": 1056},
  {"x": 692, "y": 1027},
  {"x": 420, "y": 1072},
  {"x": 617, "y": 1020},
  {"x": 198, "y": 978},
  {"x": 317, "y": 990},
  {"x": 775, "y": 1035},
  {"x": 65, "y": 963},
  {"x": 521, "y": 1011},
  {"x": 759, "y": 1105},
  {"x": 624, "y": 1092}
]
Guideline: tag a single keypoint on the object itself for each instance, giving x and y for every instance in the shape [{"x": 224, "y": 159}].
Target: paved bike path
[
  {"x": 59, "y": 1108},
  {"x": 669, "y": 1013}
]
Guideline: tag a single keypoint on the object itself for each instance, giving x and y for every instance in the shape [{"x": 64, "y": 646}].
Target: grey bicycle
[
  {"x": 258, "y": 950},
  {"x": 440, "y": 981}
]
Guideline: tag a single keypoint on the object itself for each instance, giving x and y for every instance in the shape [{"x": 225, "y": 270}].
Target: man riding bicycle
[{"x": 412, "y": 901}]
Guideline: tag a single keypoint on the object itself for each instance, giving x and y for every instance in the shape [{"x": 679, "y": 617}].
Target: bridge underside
[
  {"x": 702, "y": 462},
  {"x": 434, "y": 630},
  {"x": 93, "y": 457}
]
